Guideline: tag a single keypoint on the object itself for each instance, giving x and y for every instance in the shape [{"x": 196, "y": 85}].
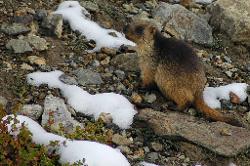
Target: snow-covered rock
[
  {"x": 77, "y": 16},
  {"x": 121, "y": 110}
]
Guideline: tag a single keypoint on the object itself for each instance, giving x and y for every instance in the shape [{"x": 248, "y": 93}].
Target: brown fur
[{"x": 173, "y": 66}]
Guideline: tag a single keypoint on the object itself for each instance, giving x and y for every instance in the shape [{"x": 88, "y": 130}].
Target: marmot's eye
[{"x": 139, "y": 30}]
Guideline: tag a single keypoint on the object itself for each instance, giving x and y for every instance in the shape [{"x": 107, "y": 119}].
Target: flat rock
[
  {"x": 38, "y": 43},
  {"x": 52, "y": 25},
  {"x": 207, "y": 135},
  {"x": 183, "y": 23},
  {"x": 14, "y": 29},
  {"x": 56, "y": 115},
  {"x": 18, "y": 46},
  {"x": 33, "y": 111},
  {"x": 127, "y": 62},
  {"x": 87, "y": 76},
  {"x": 233, "y": 18}
]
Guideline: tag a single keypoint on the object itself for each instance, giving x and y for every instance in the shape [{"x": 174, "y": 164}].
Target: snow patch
[
  {"x": 121, "y": 110},
  {"x": 213, "y": 95},
  {"x": 70, "y": 151},
  {"x": 77, "y": 17}
]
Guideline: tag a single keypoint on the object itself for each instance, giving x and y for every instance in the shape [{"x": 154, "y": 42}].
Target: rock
[
  {"x": 184, "y": 23},
  {"x": 90, "y": 6},
  {"x": 121, "y": 140},
  {"x": 3, "y": 102},
  {"x": 130, "y": 8},
  {"x": 37, "y": 60},
  {"x": 192, "y": 111},
  {"x": 234, "y": 98},
  {"x": 18, "y": 46},
  {"x": 68, "y": 80},
  {"x": 120, "y": 74},
  {"x": 152, "y": 157},
  {"x": 232, "y": 17},
  {"x": 226, "y": 104},
  {"x": 106, "y": 117},
  {"x": 24, "y": 15},
  {"x": 150, "y": 98},
  {"x": 105, "y": 61},
  {"x": 156, "y": 146},
  {"x": 87, "y": 76},
  {"x": 207, "y": 135},
  {"x": 33, "y": 111},
  {"x": 41, "y": 14},
  {"x": 37, "y": 42},
  {"x": 25, "y": 66},
  {"x": 108, "y": 51},
  {"x": 57, "y": 116},
  {"x": 125, "y": 149},
  {"x": 53, "y": 25},
  {"x": 138, "y": 154},
  {"x": 127, "y": 62},
  {"x": 136, "y": 98},
  {"x": 229, "y": 73},
  {"x": 14, "y": 29}
]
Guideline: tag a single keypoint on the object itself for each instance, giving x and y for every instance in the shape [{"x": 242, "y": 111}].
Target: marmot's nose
[{"x": 125, "y": 29}]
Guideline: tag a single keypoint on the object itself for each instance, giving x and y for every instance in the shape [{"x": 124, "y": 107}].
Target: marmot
[{"x": 173, "y": 66}]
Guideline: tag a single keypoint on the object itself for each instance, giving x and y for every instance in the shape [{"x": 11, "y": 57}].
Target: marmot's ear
[{"x": 139, "y": 30}]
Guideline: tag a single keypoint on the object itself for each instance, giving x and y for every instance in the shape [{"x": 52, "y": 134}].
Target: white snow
[
  {"x": 75, "y": 14},
  {"x": 70, "y": 151},
  {"x": 121, "y": 110},
  {"x": 143, "y": 163},
  {"x": 213, "y": 95}
]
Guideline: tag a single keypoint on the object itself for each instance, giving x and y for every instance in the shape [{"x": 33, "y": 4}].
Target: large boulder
[
  {"x": 183, "y": 23},
  {"x": 233, "y": 18}
]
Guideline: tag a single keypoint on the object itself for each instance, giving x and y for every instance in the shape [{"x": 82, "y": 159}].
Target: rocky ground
[{"x": 31, "y": 39}]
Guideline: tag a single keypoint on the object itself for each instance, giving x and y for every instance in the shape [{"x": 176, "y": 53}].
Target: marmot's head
[{"x": 140, "y": 31}]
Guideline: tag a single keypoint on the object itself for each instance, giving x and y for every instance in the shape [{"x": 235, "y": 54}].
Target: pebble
[
  {"x": 25, "y": 66},
  {"x": 121, "y": 140},
  {"x": 152, "y": 157},
  {"x": 156, "y": 146},
  {"x": 3, "y": 102},
  {"x": 120, "y": 74},
  {"x": 229, "y": 73},
  {"x": 87, "y": 76},
  {"x": 106, "y": 118},
  {"x": 225, "y": 104},
  {"x": 125, "y": 149},
  {"x": 136, "y": 98},
  {"x": 192, "y": 111},
  {"x": 150, "y": 98},
  {"x": 37, "y": 60},
  {"x": 68, "y": 79}
]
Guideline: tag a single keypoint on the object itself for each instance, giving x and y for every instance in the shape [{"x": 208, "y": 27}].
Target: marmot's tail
[{"x": 213, "y": 114}]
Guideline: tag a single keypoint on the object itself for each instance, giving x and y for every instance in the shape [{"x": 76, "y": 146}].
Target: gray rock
[
  {"x": 156, "y": 146},
  {"x": 56, "y": 115},
  {"x": 87, "y": 76},
  {"x": 18, "y": 46},
  {"x": 121, "y": 140},
  {"x": 229, "y": 73},
  {"x": 127, "y": 62},
  {"x": 120, "y": 74},
  {"x": 33, "y": 111},
  {"x": 152, "y": 157},
  {"x": 14, "y": 29},
  {"x": 183, "y": 23},
  {"x": 68, "y": 80},
  {"x": 192, "y": 111},
  {"x": 41, "y": 14},
  {"x": 90, "y": 6},
  {"x": 37, "y": 42},
  {"x": 233, "y": 18},
  {"x": 125, "y": 149},
  {"x": 207, "y": 135},
  {"x": 150, "y": 98},
  {"x": 3, "y": 102},
  {"x": 53, "y": 25}
]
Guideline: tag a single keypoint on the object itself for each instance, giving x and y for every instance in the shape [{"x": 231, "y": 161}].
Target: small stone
[
  {"x": 120, "y": 87},
  {"x": 120, "y": 74},
  {"x": 18, "y": 46},
  {"x": 156, "y": 146},
  {"x": 90, "y": 6},
  {"x": 146, "y": 149},
  {"x": 130, "y": 8},
  {"x": 234, "y": 98},
  {"x": 152, "y": 157},
  {"x": 192, "y": 111},
  {"x": 14, "y": 29},
  {"x": 53, "y": 25},
  {"x": 127, "y": 62},
  {"x": 121, "y": 140},
  {"x": 68, "y": 80},
  {"x": 150, "y": 98},
  {"x": 136, "y": 98},
  {"x": 106, "y": 117},
  {"x": 182, "y": 157},
  {"x": 138, "y": 154},
  {"x": 41, "y": 14},
  {"x": 225, "y": 132},
  {"x": 37, "y": 60},
  {"x": 87, "y": 76},
  {"x": 3, "y": 102},
  {"x": 108, "y": 51},
  {"x": 33, "y": 111},
  {"x": 25, "y": 66},
  {"x": 125, "y": 149},
  {"x": 225, "y": 104},
  {"x": 229, "y": 73},
  {"x": 105, "y": 61},
  {"x": 37, "y": 42}
]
